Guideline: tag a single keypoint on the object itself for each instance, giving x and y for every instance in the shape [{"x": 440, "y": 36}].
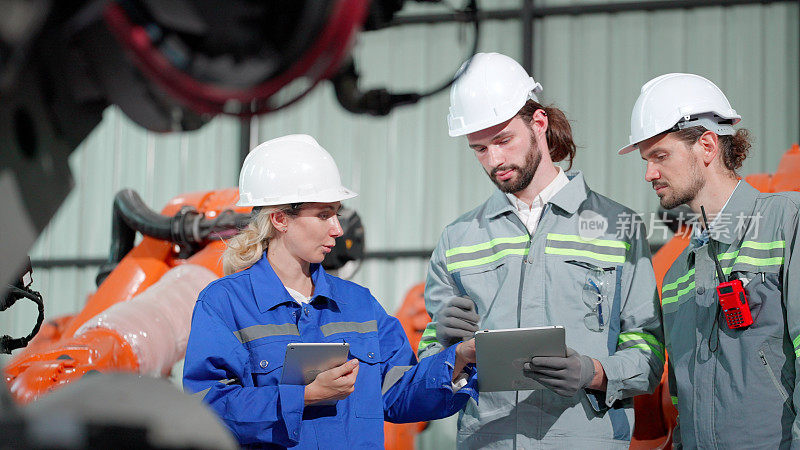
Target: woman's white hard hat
[{"x": 290, "y": 169}]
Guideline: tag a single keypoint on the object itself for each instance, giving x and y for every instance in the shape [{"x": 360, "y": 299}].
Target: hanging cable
[
  {"x": 380, "y": 102},
  {"x": 21, "y": 289}
]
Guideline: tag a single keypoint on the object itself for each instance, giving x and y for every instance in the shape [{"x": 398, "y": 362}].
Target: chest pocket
[
  {"x": 484, "y": 283},
  {"x": 763, "y": 288},
  {"x": 596, "y": 285},
  {"x": 266, "y": 361},
  {"x": 366, "y": 399}
]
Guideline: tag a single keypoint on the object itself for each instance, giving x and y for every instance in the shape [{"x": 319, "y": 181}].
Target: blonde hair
[{"x": 246, "y": 248}]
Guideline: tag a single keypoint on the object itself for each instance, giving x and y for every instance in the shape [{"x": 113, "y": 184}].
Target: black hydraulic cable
[
  {"x": 14, "y": 293},
  {"x": 187, "y": 227}
]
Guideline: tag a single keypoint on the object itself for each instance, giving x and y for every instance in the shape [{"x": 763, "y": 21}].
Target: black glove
[
  {"x": 564, "y": 376},
  {"x": 457, "y": 321}
]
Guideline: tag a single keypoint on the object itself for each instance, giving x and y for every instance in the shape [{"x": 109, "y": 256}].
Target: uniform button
[
  {"x": 264, "y": 363},
  {"x": 306, "y": 311},
  {"x": 370, "y": 355},
  {"x": 701, "y": 290}
]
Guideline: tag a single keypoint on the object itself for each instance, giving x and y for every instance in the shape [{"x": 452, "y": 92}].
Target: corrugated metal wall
[{"x": 414, "y": 179}]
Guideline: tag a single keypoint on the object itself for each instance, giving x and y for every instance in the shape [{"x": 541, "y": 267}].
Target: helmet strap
[{"x": 711, "y": 122}]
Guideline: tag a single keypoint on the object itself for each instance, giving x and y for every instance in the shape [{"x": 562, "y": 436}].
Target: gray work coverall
[
  {"x": 743, "y": 393},
  {"x": 555, "y": 277}
]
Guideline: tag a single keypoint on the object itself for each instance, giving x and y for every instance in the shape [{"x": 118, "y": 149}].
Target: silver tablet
[
  {"x": 305, "y": 360},
  {"x": 501, "y": 354}
]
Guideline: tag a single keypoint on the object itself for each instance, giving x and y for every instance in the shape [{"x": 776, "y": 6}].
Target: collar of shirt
[
  {"x": 732, "y": 218},
  {"x": 544, "y": 196},
  {"x": 270, "y": 292},
  {"x": 529, "y": 215},
  {"x": 568, "y": 198},
  {"x": 297, "y": 295}
]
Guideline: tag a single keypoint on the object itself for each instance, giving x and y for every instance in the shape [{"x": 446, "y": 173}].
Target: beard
[
  {"x": 680, "y": 196},
  {"x": 524, "y": 175}
]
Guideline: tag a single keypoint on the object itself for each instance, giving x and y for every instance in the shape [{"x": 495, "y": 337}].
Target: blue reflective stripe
[
  {"x": 619, "y": 420},
  {"x": 619, "y": 424},
  {"x": 457, "y": 280},
  {"x": 613, "y": 323}
]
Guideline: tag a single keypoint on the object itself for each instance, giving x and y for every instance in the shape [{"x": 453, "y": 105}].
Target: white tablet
[
  {"x": 501, "y": 354},
  {"x": 305, "y": 360}
]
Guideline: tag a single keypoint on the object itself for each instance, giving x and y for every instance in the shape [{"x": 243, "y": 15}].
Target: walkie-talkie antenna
[{"x": 720, "y": 273}]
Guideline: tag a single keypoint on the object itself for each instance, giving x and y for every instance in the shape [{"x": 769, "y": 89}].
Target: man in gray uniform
[
  {"x": 544, "y": 249},
  {"x": 733, "y": 387}
]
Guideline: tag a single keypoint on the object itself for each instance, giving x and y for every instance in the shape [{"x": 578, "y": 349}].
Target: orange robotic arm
[{"x": 105, "y": 336}]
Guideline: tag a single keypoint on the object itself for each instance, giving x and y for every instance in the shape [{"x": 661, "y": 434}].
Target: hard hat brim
[{"x": 330, "y": 196}]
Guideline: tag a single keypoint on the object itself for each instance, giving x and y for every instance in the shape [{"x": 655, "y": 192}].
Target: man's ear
[
  {"x": 708, "y": 145},
  {"x": 539, "y": 122}
]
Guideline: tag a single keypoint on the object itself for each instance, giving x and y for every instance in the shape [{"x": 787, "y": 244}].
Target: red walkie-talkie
[{"x": 731, "y": 293}]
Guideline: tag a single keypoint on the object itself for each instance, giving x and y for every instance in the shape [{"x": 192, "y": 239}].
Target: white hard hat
[
  {"x": 493, "y": 90},
  {"x": 290, "y": 169},
  {"x": 679, "y": 100}
]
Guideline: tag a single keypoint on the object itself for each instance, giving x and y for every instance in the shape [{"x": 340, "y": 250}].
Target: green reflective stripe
[
  {"x": 797, "y": 352},
  {"x": 686, "y": 289},
  {"x": 674, "y": 400},
  {"x": 486, "y": 245},
  {"x": 745, "y": 255},
  {"x": 644, "y": 336},
  {"x": 586, "y": 253},
  {"x": 680, "y": 280},
  {"x": 775, "y": 261},
  {"x": 426, "y": 342},
  {"x": 487, "y": 259},
  {"x": 674, "y": 298},
  {"x": 796, "y": 341},
  {"x": 600, "y": 249},
  {"x": 423, "y": 344},
  {"x": 484, "y": 253},
  {"x": 428, "y": 337},
  {"x": 596, "y": 242},
  {"x": 647, "y": 342},
  {"x": 764, "y": 245}
]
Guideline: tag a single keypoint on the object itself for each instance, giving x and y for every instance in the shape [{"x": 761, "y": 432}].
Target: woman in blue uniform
[{"x": 276, "y": 292}]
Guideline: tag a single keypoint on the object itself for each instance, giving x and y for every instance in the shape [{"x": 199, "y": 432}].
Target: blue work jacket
[{"x": 240, "y": 328}]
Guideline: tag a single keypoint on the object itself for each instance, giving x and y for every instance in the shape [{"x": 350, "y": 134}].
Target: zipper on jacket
[
  {"x": 521, "y": 283},
  {"x": 525, "y": 262},
  {"x": 775, "y": 381}
]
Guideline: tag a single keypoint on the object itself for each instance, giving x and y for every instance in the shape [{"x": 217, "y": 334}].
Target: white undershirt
[
  {"x": 529, "y": 215},
  {"x": 302, "y": 299}
]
